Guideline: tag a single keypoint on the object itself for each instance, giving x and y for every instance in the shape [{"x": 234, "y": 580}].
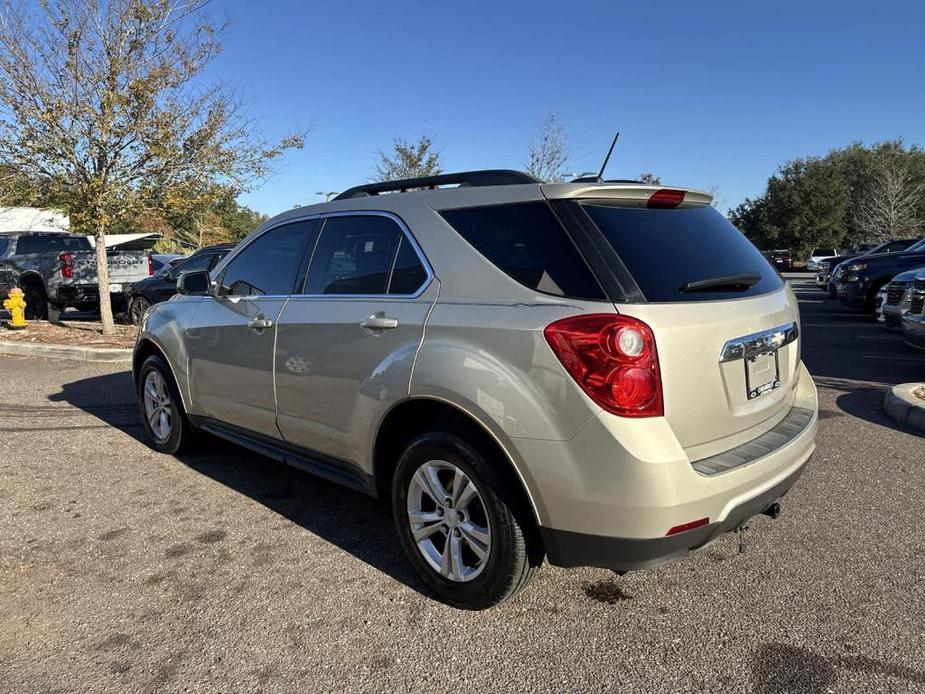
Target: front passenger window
[{"x": 269, "y": 265}]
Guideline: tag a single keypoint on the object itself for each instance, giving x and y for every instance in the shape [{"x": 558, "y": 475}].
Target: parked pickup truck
[{"x": 58, "y": 269}]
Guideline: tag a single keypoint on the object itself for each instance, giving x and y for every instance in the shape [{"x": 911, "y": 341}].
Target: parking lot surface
[{"x": 124, "y": 570}]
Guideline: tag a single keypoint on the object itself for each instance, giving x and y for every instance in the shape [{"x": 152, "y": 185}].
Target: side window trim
[{"x": 406, "y": 236}]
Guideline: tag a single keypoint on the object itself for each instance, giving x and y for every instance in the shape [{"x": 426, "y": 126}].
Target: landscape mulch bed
[{"x": 72, "y": 333}]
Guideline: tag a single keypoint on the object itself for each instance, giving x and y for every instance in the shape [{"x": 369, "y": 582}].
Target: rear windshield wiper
[{"x": 730, "y": 282}]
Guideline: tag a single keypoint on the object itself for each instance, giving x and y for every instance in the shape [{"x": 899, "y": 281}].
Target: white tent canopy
[{"x": 32, "y": 219}]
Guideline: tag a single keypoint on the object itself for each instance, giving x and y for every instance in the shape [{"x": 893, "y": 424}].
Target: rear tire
[
  {"x": 163, "y": 417},
  {"x": 476, "y": 547},
  {"x": 36, "y": 302}
]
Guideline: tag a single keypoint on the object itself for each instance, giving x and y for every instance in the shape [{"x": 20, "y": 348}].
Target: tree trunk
[{"x": 102, "y": 279}]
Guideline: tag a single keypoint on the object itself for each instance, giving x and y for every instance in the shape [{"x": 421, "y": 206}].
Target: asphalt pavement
[{"x": 122, "y": 570}]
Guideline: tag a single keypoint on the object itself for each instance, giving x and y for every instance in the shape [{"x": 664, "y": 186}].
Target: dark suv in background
[
  {"x": 160, "y": 287},
  {"x": 862, "y": 277}
]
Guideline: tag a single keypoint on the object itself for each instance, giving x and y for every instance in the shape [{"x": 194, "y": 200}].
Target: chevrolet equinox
[{"x": 597, "y": 373}]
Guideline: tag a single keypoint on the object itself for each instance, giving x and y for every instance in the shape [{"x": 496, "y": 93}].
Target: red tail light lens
[
  {"x": 613, "y": 359},
  {"x": 684, "y": 527},
  {"x": 67, "y": 265},
  {"x": 150, "y": 265},
  {"x": 666, "y": 198}
]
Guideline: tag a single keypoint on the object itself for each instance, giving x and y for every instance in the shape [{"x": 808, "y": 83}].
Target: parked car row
[{"x": 888, "y": 280}]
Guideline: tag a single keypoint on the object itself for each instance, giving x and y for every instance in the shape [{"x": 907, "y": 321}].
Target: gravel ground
[{"x": 123, "y": 570}]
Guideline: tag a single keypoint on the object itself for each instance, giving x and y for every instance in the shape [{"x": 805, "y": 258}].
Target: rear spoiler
[{"x": 627, "y": 194}]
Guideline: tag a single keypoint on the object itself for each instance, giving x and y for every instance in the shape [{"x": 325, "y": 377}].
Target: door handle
[
  {"x": 260, "y": 324},
  {"x": 379, "y": 321}
]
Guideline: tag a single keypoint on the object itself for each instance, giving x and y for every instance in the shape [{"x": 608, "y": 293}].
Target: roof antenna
[{"x": 600, "y": 175}]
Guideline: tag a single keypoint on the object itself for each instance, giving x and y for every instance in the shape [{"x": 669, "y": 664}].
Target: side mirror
[{"x": 195, "y": 283}]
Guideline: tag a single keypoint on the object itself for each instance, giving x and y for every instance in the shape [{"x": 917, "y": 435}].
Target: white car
[{"x": 812, "y": 263}]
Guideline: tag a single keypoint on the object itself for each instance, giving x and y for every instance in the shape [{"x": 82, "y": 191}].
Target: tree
[
  {"x": 101, "y": 109},
  {"x": 547, "y": 152},
  {"x": 890, "y": 206},
  {"x": 408, "y": 160},
  {"x": 651, "y": 178},
  {"x": 816, "y": 201}
]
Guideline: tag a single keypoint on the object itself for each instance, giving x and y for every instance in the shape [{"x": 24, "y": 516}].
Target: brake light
[
  {"x": 150, "y": 265},
  {"x": 666, "y": 198},
  {"x": 67, "y": 265},
  {"x": 613, "y": 359},
  {"x": 699, "y": 523}
]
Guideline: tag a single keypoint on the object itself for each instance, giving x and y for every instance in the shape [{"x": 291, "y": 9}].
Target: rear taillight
[
  {"x": 67, "y": 265},
  {"x": 150, "y": 265},
  {"x": 613, "y": 359},
  {"x": 666, "y": 198}
]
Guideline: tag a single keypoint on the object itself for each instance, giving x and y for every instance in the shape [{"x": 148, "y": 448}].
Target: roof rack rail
[{"x": 487, "y": 177}]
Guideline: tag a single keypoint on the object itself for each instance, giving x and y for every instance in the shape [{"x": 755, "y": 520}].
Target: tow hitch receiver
[{"x": 772, "y": 511}]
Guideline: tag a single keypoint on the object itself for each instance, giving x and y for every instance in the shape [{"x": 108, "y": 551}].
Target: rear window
[
  {"x": 52, "y": 243},
  {"x": 664, "y": 250},
  {"x": 526, "y": 241},
  {"x": 823, "y": 252}
]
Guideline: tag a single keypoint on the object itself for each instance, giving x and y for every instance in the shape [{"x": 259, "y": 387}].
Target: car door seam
[
  {"x": 423, "y": 336},
  {"x": 273, "y": 367}
]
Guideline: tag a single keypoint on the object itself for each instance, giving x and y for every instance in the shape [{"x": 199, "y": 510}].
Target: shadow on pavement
[
  {"x": 784, "y": 669},
  {"x": 352, "y": 521},
  {"x": 862, "y": 401}
]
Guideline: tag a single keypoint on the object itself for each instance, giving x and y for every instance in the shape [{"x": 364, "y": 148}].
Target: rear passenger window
[
  {"x": 527, "y": 242},
  {"x": 51, "y": 243},
  {"x": 354, "y": 255}
]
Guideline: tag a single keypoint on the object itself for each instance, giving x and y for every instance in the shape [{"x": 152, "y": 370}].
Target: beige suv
[{"x": 598, "y": 373}]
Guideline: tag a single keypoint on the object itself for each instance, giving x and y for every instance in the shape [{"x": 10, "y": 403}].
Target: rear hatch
[{"x": 724, "y": 321}]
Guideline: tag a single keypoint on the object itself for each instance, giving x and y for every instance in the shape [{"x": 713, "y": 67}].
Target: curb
[
  {"x": 903, "y": 406},
  {"x": 93, "y": 354}
]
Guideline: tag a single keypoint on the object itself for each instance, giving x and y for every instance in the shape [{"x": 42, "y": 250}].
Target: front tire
[
  {"x": 136, "y": 309},
  {"x": 163, "y": 417},
  {"x": 460, "y": 525}
]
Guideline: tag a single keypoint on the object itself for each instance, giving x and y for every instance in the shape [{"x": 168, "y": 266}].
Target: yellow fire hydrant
[{"x": 16, "y": 305}]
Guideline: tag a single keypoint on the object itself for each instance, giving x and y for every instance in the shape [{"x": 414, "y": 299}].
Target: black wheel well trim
[
  {"x": 145, "y": 348},
  {"x": 383, "y": 467}
]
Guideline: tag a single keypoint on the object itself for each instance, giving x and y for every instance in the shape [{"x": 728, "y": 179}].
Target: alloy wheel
[
  {"x": 159, "y": 408},
  {"x": 448, "y": 520}
]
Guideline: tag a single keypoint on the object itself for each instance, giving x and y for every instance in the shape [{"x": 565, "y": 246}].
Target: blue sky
[{"x": 704, "y": 93}]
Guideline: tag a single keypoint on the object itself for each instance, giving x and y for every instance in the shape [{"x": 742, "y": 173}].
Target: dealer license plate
[
  {"x": 115, "y": 288},
  {"x": 762, "y": 374}
]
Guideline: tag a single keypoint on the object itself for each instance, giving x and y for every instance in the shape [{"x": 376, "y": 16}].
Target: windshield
[
  {"x": 917, "y": 246},
  {"x": 823, "y": 253},
  {"x": 688, "y": 254}
]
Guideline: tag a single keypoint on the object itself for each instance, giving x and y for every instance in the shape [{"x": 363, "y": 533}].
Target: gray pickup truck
[{"x": 58, "y": 269}]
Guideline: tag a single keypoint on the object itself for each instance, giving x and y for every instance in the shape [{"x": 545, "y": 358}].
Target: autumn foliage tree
[{"x": 103, "y": 108}]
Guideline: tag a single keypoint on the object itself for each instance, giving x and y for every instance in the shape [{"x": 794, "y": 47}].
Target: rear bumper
[
  {"x": 568, "y": 549},
  {"x": 609, "y": 496}
]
